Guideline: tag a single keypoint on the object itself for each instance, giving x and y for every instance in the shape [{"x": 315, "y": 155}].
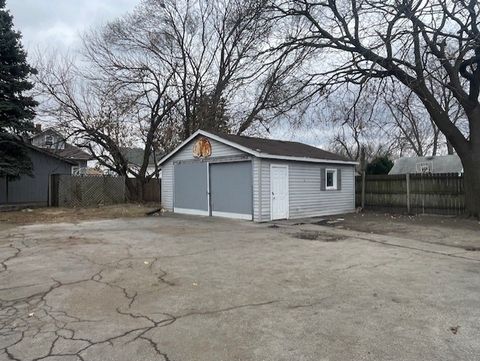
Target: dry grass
[{"x": 56, "y": 215}]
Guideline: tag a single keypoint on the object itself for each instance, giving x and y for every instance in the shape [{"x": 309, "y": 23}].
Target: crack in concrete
[
  {"x": 30, "y": 316},
  {"x": 33, "y": 315},
  {"x": 3, "y": 263}
]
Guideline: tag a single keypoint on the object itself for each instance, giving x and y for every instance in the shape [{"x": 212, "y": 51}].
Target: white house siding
[
  {"x": 261, "y": 197},
  {"x": 306, "y": 199},
  {"x": 218, "y": 150}
]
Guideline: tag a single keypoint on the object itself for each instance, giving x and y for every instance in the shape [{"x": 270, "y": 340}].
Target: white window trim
[{"x": 334, "y": 187}]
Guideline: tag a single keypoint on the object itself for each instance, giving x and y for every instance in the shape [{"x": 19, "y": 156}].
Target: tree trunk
[
  {"x": 471, "y": 165},
  {"x": 140, "y": 189},
  {"x": 131, "y": 188},
  {"x": 467, "y": 150},
  {"x": 471, "y": 169},
  {"x": 449, "y": 148}
]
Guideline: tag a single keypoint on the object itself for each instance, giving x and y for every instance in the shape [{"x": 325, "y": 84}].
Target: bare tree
[
  {"x": 219, "y": 55},
  {"x": 105, "y": 114},
  {"x": 353, "y": 112},
  {"x": 386, "y": 118},
  {"x": 156, "y": 75},
  {"x": 414, "y": 43},
  {"x": 408, "y": 123}
]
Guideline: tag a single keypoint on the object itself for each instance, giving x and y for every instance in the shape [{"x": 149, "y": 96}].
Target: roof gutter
[{"x": 305, "y": 159}]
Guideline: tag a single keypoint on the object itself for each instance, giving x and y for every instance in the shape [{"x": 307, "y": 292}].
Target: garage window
[{"x": 330, "y": 179}]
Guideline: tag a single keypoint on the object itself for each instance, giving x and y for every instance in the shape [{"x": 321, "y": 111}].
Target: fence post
[
  {"x": 50, "y": 190},
  {"x": 6, "y": 189},
  {"x": 362, "y": 167},
  {"x": 363, "y": 190},
  {"x": 407, "y": 176}
]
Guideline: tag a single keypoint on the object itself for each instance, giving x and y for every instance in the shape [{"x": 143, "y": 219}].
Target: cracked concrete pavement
[{"x": 177, "y": 288}]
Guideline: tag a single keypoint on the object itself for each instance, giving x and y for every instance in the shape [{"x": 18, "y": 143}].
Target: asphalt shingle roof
[
  {"x": 135, "y": 156},
  {"x": 70, "y": 152},
  {"x": 281, "y": 147}
]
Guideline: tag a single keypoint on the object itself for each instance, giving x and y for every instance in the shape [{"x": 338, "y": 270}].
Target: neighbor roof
[
  {"x": 435, "y": 164},
  {"x": 135, "y": 156},
  {"x": 70, "y": 152},
  {"x": 270, "y": 148},
  {"x": 49, "y": 153}
]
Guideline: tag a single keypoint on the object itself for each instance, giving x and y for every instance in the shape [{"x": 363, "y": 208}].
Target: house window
[
  {"x": 49, "y": 140},
  {"x": 330, "y": 179},
  {"x": 78, "y": 170}
]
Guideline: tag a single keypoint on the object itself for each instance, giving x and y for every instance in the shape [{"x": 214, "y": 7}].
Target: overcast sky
[{"x": 58, "y": 24}]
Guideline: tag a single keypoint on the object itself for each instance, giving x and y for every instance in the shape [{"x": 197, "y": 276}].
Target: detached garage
[{"x": 258, "y": 179}]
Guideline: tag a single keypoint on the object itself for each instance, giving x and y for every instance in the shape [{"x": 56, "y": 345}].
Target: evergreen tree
[
  {"x": 210, "y": 114},
  {"x": 380, "y": 165},
  {"x": 16, "y": 108}
]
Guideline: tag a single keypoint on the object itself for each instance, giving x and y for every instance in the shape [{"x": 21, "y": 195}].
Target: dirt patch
[
  {"x": 318, "y": 236},
  {"x": 72, "y": 215},
  {"x": 446, "y": 230}
]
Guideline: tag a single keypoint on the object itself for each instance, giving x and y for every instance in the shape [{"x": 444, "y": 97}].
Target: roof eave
[
  {"x": 42, "y": 151},
  {"x": 251, "y": 151},
  {"x": 306, "y": 159},
  {"x": 199, "y": 132}
]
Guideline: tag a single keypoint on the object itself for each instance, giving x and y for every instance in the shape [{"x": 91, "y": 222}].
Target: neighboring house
[
  {"x": 134, "y": 157},
  {"x": 433, "y": 164},
  {"x": 253, "y": 178},
  {"x": 34, "y": 191},
  {"x": 53, "y": 142},
  {"x": 94, "y": 172}
]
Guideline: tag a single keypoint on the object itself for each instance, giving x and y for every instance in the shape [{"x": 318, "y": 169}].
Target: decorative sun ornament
[{"x": 202, "y": 148}]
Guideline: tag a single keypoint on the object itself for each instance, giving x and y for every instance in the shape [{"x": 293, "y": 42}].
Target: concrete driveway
[{"x": 186, "y": 288}]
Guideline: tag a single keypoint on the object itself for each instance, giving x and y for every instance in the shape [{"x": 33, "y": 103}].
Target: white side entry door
[{"x": 279, "y": 191}]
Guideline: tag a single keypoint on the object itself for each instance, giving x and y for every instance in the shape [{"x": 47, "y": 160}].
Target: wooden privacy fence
[
  {"x": 151, "y": 191},
  {"x": 413, "y": 193},
  {"x": 86, "y": 191}
]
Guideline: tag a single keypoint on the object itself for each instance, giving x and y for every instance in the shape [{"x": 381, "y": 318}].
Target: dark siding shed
[{"x": 33, "y": 190}]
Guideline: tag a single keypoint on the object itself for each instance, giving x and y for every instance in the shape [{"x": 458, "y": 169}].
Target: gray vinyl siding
[
  {"x": 218, "y": 150},
  {"x": 256, "y": 163},
  {"x": 306, "y": 199},
  {"x": 261, "y": 198},
  {"x": 33, "y": 190}
]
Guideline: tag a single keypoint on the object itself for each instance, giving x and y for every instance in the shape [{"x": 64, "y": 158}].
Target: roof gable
[
  {"x": 47, "y": 131},
  {"x": 66, "y": 151},
  {"x": 269, "y": 148}
]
